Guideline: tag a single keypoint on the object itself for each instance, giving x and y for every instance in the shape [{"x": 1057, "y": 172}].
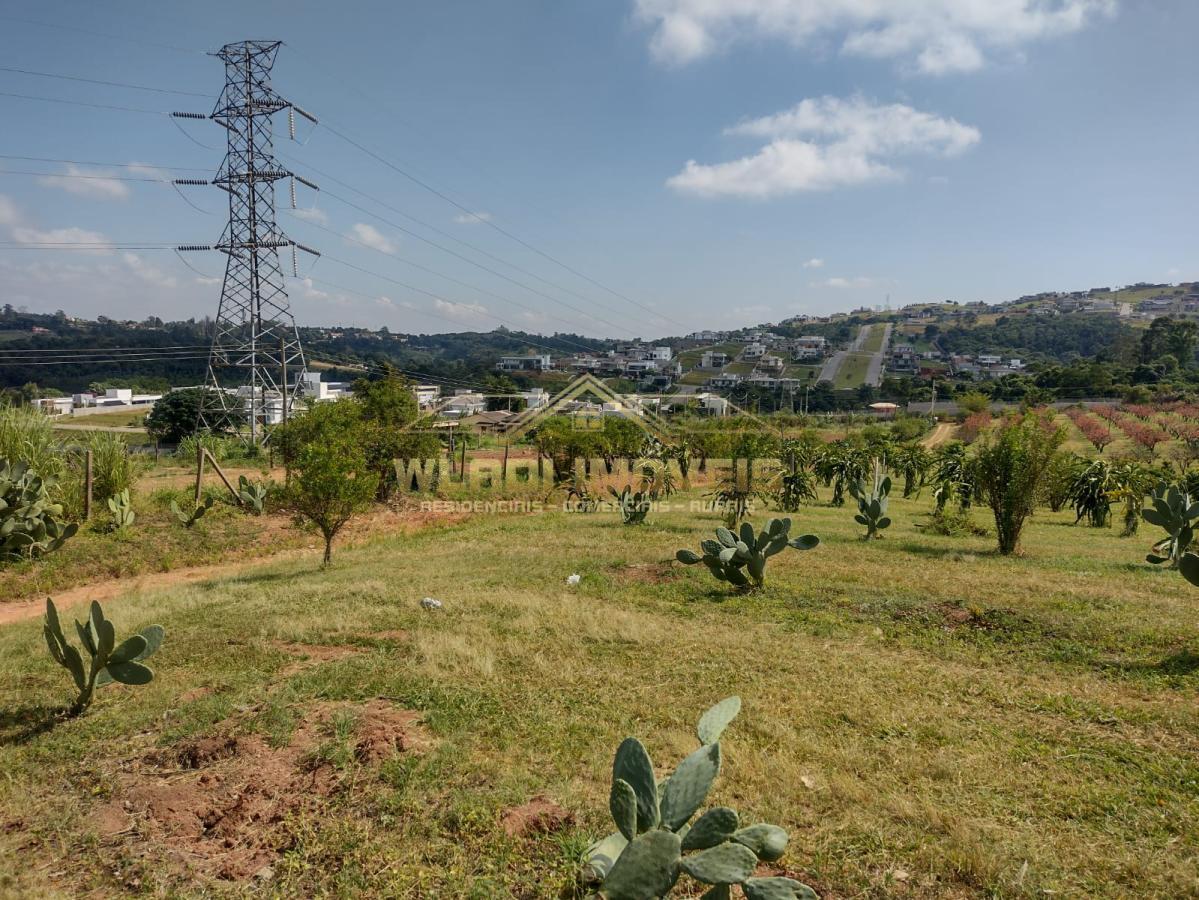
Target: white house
[
  {"x": 427, "y": 395},
  {"x": 713, "y": 359},
  {"x": 530, "y": 363}
]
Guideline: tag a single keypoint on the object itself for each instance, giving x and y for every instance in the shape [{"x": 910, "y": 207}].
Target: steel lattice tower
[{"x": 254, "y": 334}]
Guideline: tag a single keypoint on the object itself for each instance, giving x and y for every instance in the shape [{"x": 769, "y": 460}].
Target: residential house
[{"x": 540, "y": 362}]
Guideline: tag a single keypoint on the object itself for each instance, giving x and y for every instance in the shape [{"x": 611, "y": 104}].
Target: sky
[{"x": 617, "y": 168}]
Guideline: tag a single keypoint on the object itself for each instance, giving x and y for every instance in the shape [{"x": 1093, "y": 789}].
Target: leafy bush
[
  {"x": 27, "y": 436},
  {"x": 30, "y": 523},
  {"x": 1009, "y": 470},
  {"x": 331, "y": 481},
  {"x": 730, "y": 553},
  {"x": 107, "y": 662},
  {"x": 953, "y": 523},
  {"x": 654, "y": 846},
  {"x": 220, "y": 448},
  {"x": 1091, "y": 492},
  {"x": 113, "y": 470}
]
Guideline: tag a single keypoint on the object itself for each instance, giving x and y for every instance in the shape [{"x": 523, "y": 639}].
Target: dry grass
[{"x": 926, "y": 718}]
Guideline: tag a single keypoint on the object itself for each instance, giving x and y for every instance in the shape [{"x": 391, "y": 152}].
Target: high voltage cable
[
  {"x": 457, "y": 281},
  {"x": 119, "y": 84},
  {"x": 433, "y": 315},
  {"x": 91, "y": 177},
  {"x": 115, "y": 165},
  {"x": 410, "y": 287},
  {"x": 107, "y": 106},
  {"x": 489, "y": 223},
  {"x": 423, "y": 184},
  {"x": 105, "y": 349},
  {"x": 467, "y": 259},
  {"x": 457, "y": 240},
  {"x": 103, "y": 34}
]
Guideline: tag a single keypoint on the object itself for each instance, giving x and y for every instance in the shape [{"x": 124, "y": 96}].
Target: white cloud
[
  {"x": 9, "y": 214},
  {"x": 825, "y": 143},
  {"x": 311, "y": 215},
  {"x": 860, "y": 281},
  {"x": 148, "y": 273},
  {"x": 464, "y": 311},
  {"x": 96, "y": 183},
  {"x": 23, "y": 234},
  {"x": 309, "y": 291},
  {"x": 372, "y": 237},
  {"x": 814, "y": 263},
  {"x": 936, "y": 36},
  {"x": 473, "y": 218}
]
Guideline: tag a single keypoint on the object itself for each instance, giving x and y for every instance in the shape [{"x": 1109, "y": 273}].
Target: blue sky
[{"x": 723, "y": 162}]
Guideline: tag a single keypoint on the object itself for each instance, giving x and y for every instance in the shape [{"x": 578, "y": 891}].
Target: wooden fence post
[{"x": 200, "y": 454}]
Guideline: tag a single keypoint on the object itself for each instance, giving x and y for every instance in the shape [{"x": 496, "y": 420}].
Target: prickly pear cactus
[
  {"x": 252, "y": 494},
  {"x": 740, "y": 559},
  {"x": 872, "y": 504},
  {"x": 120, "y": 507},
  {"x": 1175, "y": 511},
  {"x": 30, "y": 523},
  {"x": 656, "y": 842},
  {"x": 106, "y": 660},
  {"x": 634, "y": 505},
  {"x": 188, "y": 519}
]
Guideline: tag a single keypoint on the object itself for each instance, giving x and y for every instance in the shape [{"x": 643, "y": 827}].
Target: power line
[
  {"x": 115, "y": 165},
  {"x": 433, "y": 228},
  {"x": 106, "y": 350},
  {"x": 93, "y": 33},
  {"x": 489, "y": 223},
  {"x": 455, "y": 280},
  {"x": 106, "y": 106},
  {"x": 433, "y": 315},
  {"x": 119, "y": 84},
  {"x": 410, "y": 287},
  {"x": 81, "y": 175},
  {"x": 472, "y": 262}
]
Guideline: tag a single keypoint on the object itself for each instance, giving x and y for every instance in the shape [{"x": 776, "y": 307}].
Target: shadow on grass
[
  {"x": 1184, "y": 662},
  {"x": 23, "y": 723},
  {"x": 938, "y": 552}
]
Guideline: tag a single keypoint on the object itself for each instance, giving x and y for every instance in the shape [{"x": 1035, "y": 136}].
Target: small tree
[
  {"x": 330, "y": 484},
  {"x": 1009, "y": 470}
]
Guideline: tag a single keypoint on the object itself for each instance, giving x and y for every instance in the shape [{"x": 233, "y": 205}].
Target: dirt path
[
  {"x": 382, "y": 523},
  {"x": 32, "y": 607},
  {"x": 939, "y": 435}
]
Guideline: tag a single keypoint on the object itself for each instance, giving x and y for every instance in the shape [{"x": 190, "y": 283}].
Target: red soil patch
[
  {"x": 309, "y": 655},
  {"x": 649, "y": 573},
  {"x": 219, "y": 806},
  {"x": 539, "y": 816}
]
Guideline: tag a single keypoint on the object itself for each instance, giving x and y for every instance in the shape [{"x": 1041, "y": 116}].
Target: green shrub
[
  {"x": 107, "y": 662},
  {"x": 113, "y": 471},
  {"x": 1009, "y": 470},
  {"x": 656, "y": 843},
  {"x": 27, "y": 436}
]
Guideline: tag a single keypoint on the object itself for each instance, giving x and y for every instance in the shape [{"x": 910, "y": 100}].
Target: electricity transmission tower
[{"x": 255, "y": 350}]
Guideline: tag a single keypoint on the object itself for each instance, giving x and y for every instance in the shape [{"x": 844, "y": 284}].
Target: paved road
[
  {"x": 874, "y": 372},
  {"x": 828, "y": 371}
]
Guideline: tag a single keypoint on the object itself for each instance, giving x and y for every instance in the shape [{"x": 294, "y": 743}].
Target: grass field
[
  {"x": 926, "y": 718},
  {"x": 853, "y": 371}
]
